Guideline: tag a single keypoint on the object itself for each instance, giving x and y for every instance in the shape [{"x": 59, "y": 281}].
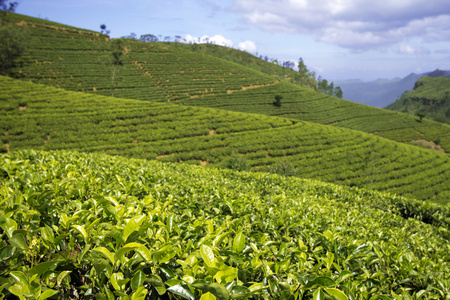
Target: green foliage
[
  {"x": 285, "y": 168},
  {"x": 277, "y": 102},
  {"x": 328, "y": 89},
  {"x": 421, "y": 115},
  {"x": 13, "y": 43},
  {"x": 72, "y": 58},
  {"x": 430, "y": 97},
  {"x": 41, "y": 117},
  {"x": 236, "y": 162},
  {"x": 117, "y": 50},
  {"x": 94, "y": 225}
]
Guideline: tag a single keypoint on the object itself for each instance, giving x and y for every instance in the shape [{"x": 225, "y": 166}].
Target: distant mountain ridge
[{"x": 382, "y": 92}]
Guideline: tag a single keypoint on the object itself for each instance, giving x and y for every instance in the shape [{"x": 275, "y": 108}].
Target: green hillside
[
  {"x": 42, "y": 117},
  {"x": 82, "y": 61},
  {"x": 430, "y": 97},
  {"x": 106, "y": 227},
  {"x": 131, "y": 196},
  {"x": 249, "y": 60},
  {"x": 308, "y": 105}
]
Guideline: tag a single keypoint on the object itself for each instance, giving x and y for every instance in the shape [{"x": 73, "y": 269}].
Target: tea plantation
[
  {"x": 114, "y": 180},
  {"x": 91, "y": 226},
  {"x": 81, "y": 60},
  {"x": 42, "y": 117}
]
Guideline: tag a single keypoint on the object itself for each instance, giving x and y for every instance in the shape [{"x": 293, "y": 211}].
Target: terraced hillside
[
  {"x": 85, "y": 225},
  {"x": 42, "y": 117},
  {"x": 249, "y": 60},
  {"x": 304, "y": 104},
  {"x": 80, "y": 60},
  {"x": 430, "y": 97}
]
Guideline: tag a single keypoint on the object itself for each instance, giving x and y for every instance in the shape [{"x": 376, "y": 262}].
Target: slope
[
  {"x": 42, "y": 117},
  {"x": 81, "y": 61},
  {"x": 430, "y": 96},
  {"x": 250, "y": 61},
  {"x": 134, "y": 229},
  {"x": 304, "y": 104}
]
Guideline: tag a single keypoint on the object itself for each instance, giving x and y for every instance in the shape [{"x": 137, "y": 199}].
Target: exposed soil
[{"x": 428, "y": 144}]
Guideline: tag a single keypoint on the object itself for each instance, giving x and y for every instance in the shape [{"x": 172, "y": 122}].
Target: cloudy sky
[{"x": 338, "y": 39}]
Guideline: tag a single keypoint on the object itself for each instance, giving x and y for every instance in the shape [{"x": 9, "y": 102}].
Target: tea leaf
[
  {"x": 208, "y": 256},
  {"x": 336, "y": 294},
  {"x": 105, "y": 253},
  {"x": 239, "y": 243},
  {"x": 132, "y": 225},
  {"x": 47, "y": 294},
  {"x": 182, "y": 291},
  {"x": 208, "y": 296},
  {"x": 8, "y": 225}
]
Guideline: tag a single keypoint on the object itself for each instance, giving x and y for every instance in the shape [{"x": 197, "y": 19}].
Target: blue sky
[{"x": 338, "y": 39}]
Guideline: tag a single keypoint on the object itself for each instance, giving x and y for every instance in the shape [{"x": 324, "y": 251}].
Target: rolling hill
[
  {"x": 430, "y": 96},
  {"x": 80, "y": 60},
  {"x": 47, "y": 118}
]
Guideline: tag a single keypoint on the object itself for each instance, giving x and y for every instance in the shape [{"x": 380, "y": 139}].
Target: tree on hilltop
[
  {"x": 103, "y": 29},
  {"x": 8, "y": 5}
]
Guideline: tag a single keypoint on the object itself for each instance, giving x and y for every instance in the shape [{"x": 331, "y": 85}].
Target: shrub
[
  {"x": 284, "y": 168},
  {"x": 277, "y": 102},
  {"x": 236, "y": 162}
]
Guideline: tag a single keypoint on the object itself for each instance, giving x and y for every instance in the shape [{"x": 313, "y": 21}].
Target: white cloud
[
  {"x": 248, "y": 46},
  {"x": 356, "y": 24},
  {"x": 408, "y": 49}
]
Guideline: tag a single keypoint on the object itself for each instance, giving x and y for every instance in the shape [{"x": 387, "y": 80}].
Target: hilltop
[
  {"x": 250, "y": 61},
  {"x": 80, "y": 60},
  {"x": 47, "y": 118},
  {"x": 430, "y": 97}
]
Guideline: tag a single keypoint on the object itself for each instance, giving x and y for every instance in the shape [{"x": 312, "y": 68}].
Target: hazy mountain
[
  {"x": 377, "y": 93},
  {"x": 439, "y": 73},
  {"x": 382, "y": 92}
]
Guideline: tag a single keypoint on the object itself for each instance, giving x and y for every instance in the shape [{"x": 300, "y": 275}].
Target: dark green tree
[
  {"x": 277, "y": 102},
  {"x": 421, "y": 115},
  {"x": 236, "y": 162},
  {"x": 117, "y": 50},
  {"x": 103, "y": 29},
  {"x": 338, "y": 92},
  {"x": 12, "y": 38},
  {"x": 8, "y": 6}
]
